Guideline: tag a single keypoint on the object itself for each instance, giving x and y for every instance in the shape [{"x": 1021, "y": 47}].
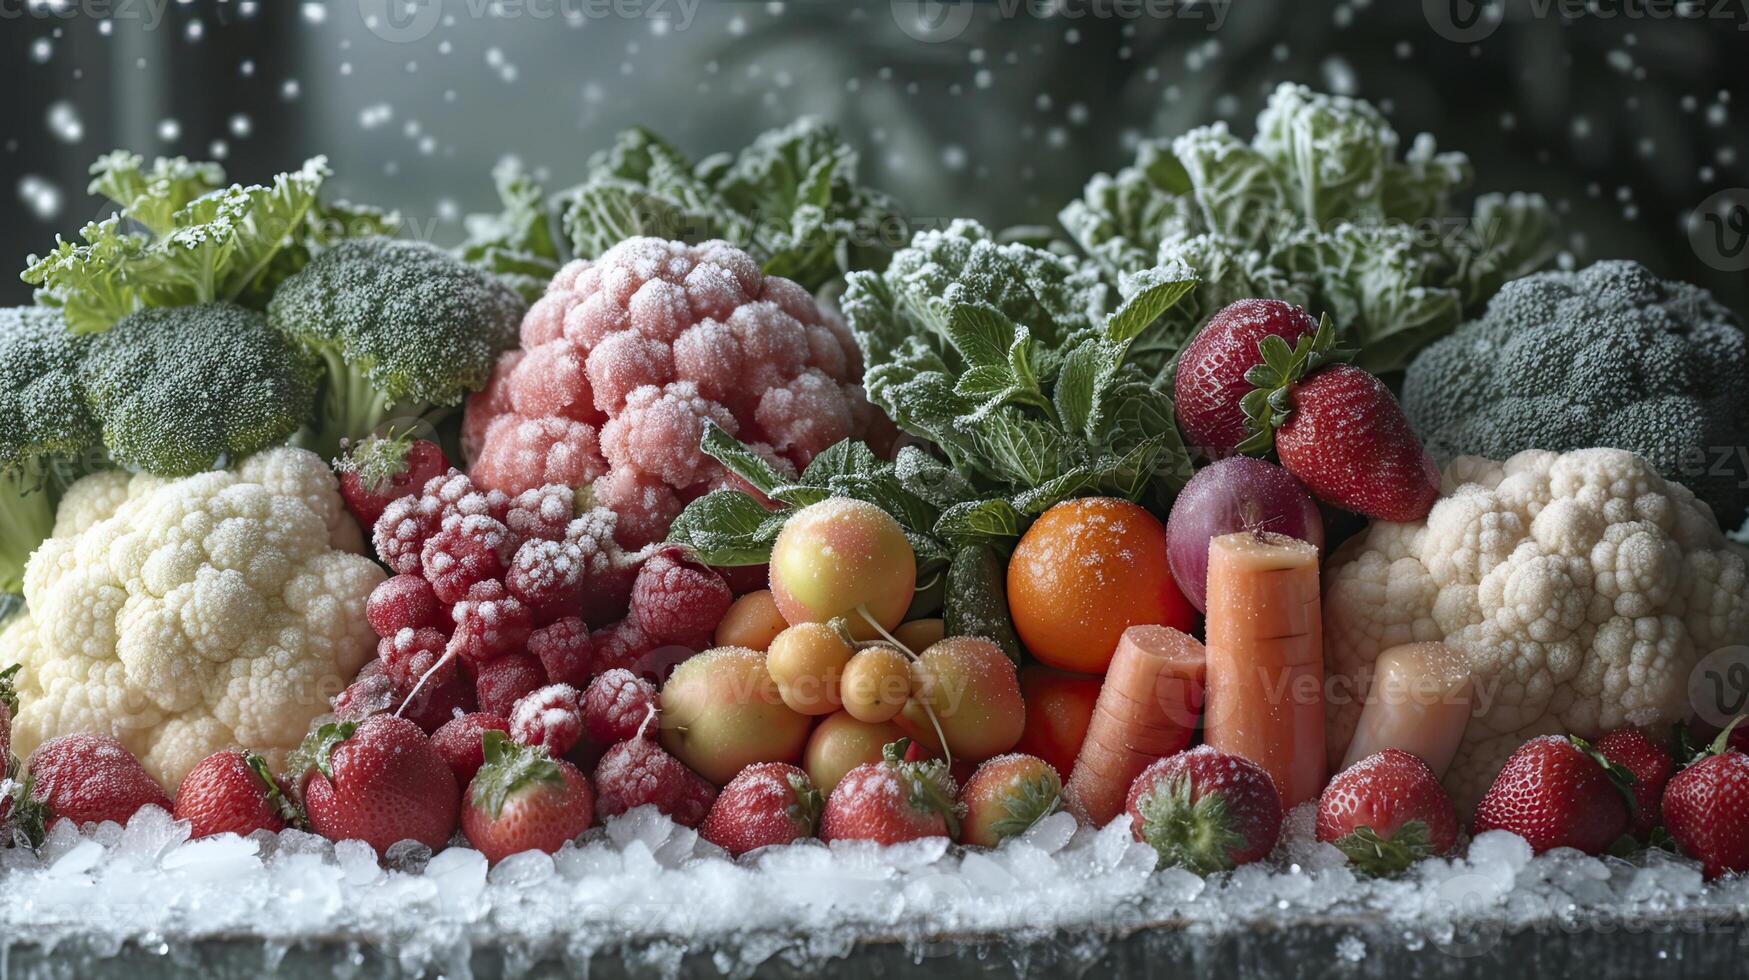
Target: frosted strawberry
[
  {"x": 1006, "y": 795},
  {"x": 550, "y": 717},
  {"x": 765, "y": 805},
  {"x": 1211, "y": 372},
  {"x": 382, "y": 469},
  {"x": 1205, "y": 811},
  {"x": 86, "y": 778},
  {"x": 638, "y": 772},
  {"x": 676, "y": 600},
  {"x": 892, "y": 801},
  {"x": 1559, "y": 792},
  {"x": 465, "y": 552},
  {"x": 522, "y": 799},
  {"x": 1706, "y": 809},
  {"x": 1386, "y": 812},
  {"x": 564, "y": 651},
  {"x": 502, "y": 681},
  {"x": 382, "y": 782},
  {"x": 405, "y": 602},
  {"x": 458, "y": 741},
  {"x": 617, "y": 706},
  {"x": 1651, "y": 767},
  {"x": 233, "y": 793}
]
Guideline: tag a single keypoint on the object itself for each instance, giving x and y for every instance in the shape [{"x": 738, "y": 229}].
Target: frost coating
[
  {"x": 198, "y": 614},
  {"x": 1581, "y": 587},
  {"x": 627, "y": 357}
]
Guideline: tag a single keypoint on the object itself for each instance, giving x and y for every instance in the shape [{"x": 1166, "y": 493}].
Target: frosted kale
[
  {"x": 403, "y": 329},
  {"x": 1320, "y": 209},
  {"x": 1608, "y": 356}
]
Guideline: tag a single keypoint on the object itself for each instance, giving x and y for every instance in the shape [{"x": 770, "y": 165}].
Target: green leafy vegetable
[{"x": 1319, "y": 209}]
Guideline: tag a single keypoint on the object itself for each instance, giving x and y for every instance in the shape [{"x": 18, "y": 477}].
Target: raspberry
[
  {"x": 404, "y": 602},
  {"x": 400, "y": 534},
  {"x": 618, "y": 706},
  {"x": 646, "y": 506},
  {"x": 372, "y": 692},
  {"x": 466, "y": 551},
  {"x": 639, "y": 772},
  {"x": 458, "y": 741},
  {"x": 500, "y": 683},
  {"x": 677, "y": 601},
  {"x": 489, "y": 623},
  {"x": 551, "y": 716},
  {"x": 436, "y": 704},
  {"x": 543, "y": 512},
  {"x": 457, "y": 496},
  {"x": 625, "y": 646},
  {"x": 548, "y": 577},
  {"x": 743, "y": 579},
  {"x": 564, "y": 651},
  {"x": 408, "y": 656}
]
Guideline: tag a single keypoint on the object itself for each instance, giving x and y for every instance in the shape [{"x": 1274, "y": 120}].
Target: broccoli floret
[
  {"x": 178, "y": 389},
  {"x": 46, "y": 433},
  {"x": 403, "y": 329},
  {"x": 1609, "y": 356}
]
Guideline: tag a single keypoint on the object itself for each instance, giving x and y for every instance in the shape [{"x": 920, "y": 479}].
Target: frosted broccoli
[
  {"x": 403, "y": 329},
  {"x": 627, "y": 357},
  {"x": 1609, "y": 356},
  {"x": 177, "y": 389}
]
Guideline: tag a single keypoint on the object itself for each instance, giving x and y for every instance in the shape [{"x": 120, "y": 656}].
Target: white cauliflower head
[
  {"x": 193, "y": 615},
  {"x": 1582, "y": 588}
]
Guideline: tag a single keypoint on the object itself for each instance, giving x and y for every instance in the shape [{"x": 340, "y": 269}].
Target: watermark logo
[
  {"x": 1718, "y": 230},
  {"x": 1718, "y": 687},
  {"x": 1464, "y": 21},
  {"x": 932, "y": 21},
  {"x": 401, "y": 21}
]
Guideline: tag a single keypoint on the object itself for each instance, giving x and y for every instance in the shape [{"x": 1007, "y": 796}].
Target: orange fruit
[{"x": 1087, "y": 570}]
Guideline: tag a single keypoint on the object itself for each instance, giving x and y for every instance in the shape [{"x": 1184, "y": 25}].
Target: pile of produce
[{"x": 784, "y": 536}]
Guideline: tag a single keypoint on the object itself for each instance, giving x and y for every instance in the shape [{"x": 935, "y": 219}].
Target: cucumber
[{"x": 976, "y": 603}]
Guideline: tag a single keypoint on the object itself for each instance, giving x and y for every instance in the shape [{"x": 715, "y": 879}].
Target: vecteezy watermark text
[
  {"x": 1470, "y": 21},
  {"x": 150, "y": 13},
  {"x": 406, "y": 21},
  {"x": 934, "y": 21}
]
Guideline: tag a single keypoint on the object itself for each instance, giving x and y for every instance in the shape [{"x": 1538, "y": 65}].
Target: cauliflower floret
[
  {"x": 628, "y": 355},
  {"x": 1582, "y": 587},
  {"x": 189, "y": 616}
]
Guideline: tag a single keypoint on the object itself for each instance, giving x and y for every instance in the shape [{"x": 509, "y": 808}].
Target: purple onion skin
[{"x": 1239, "y": 493}]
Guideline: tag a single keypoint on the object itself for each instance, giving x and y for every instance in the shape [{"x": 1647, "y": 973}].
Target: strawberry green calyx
[
  {"x": 1380, "y": 856},
  {"x": 1719, "y": 746},
  {"x": 928, "y": 787},
  {"x": 1270, "y": 401},
  {"x": 288, "y": 809},
  {"x": 510, "y": 767},
  {"x": 326, "y": 739},
  {"x": 28, "y": 815},
  {"x": 808, "y": 802},
  {"x": 1028, "y": 802},
  {"x": 1196, "y": 835},
  {"x": 377, "y": 459},
  {"x": 1620, "y": 776}
]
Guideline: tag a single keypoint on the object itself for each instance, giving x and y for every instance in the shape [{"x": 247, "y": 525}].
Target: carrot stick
[
  {"x": 1266, "y": 659},
  {"x": 1147, "y": 709}
]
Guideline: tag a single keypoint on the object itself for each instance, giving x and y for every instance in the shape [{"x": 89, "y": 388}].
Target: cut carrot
[
  {"x": 1147, "y": 709},
  {"x": 1266, "y": 659}
]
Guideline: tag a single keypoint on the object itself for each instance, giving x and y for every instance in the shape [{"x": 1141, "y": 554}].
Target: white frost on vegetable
[
  {"x": 1582, "y": 587},
  {"x": 189, "y": 616}
]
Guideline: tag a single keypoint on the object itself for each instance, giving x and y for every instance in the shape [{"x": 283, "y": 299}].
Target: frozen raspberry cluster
[{"x": 626, "y": 358}]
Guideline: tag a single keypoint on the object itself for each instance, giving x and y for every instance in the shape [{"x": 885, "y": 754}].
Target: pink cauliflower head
[{"x": 626, "y": 358}]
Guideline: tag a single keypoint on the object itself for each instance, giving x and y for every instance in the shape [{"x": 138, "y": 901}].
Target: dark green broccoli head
[
  {"x": 403, "y": 327},
  {"x": 178, "y": 389},
  {"x": 41, "y": 410},
  {"x": 1608, "y": 356}
]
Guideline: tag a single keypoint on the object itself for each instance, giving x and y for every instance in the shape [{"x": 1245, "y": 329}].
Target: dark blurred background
[{"x": 1629, "y": 115}]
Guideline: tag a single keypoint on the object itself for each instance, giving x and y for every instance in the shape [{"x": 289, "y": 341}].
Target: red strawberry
[
  {"x": 551, "y": 717},
  {"x": 380, "y": 781},
  {"x": 1005, "y": 796},
  {"x": 1652, "y": 768},
  {"x": 1205, "y": 811},
  {"x": 564, "y": 651},
  {"x": 1706, "y": 810},
  {"x": 503, "y": 681},
  {"x": 1347, "y": 440},
  {"x": 638, "y": 771},
  {"x": 1210, "y": 382},
  {"x": 87, "y": 778},
  {"x": 404, "y": 602},
  {"x": 522, "y": 799},
  {"x": 892, "y": 800},
  {"x": 1386, "y": 812},
  {"x": 233, "y": 792},
  {"x": 381, "y": 469},
  {"x": 617, "y": 706},
  {"x": 458, "y": 741},
  {"x": 766, "y": 804},
  {"x": 1558, "y": 792}
]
